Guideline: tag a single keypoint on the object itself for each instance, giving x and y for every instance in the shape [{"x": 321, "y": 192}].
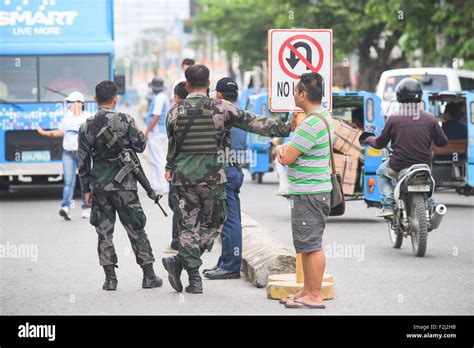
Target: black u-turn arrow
[{"x": 293, "y": 60}]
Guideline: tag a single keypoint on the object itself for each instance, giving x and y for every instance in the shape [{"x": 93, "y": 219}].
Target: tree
[
  {"x": 385, "y": 34},
  {"x": 454, "y": 22},
  {"x": 240, "y": 27},
  {"x": 370, "y": 28}
]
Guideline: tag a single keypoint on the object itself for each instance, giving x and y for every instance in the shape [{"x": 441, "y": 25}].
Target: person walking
[
  {"x": 156, "y": 135},
  {"x": 69, "y": 129}
]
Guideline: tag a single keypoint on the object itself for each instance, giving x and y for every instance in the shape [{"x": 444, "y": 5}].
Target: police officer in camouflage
[
  {"x": 198, "y": 134},
  {"x": 106, "y": 196}
]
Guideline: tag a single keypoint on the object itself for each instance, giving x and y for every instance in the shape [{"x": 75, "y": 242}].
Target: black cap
[
  {"x": 227, "y": 85},
  {"x": 157, "y": 84}
]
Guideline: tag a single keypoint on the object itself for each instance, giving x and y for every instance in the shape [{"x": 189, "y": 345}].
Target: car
[{"x": 432, "y": 79}]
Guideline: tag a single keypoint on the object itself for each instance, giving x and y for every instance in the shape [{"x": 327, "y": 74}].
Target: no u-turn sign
[{"x": 292, "y": 53}]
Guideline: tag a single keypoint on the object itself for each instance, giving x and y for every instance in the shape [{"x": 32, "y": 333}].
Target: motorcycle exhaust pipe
[{"x": 437, "y": 216}]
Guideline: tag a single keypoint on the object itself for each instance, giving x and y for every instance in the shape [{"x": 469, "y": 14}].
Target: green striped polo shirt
[{"x": 311, "y": 172}]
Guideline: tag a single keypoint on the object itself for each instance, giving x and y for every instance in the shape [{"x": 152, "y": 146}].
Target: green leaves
[
  {"x": 240, "y": 27},
  {"x": 433, "y": 32}
]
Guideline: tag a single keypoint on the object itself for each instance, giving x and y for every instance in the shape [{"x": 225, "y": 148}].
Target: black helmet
[{"x": 409, "y": 91}]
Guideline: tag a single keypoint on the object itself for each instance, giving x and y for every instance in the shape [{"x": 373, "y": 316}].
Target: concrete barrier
[
  {"x": 291, "y": 277},
  {"x": 262, "y": 254},
  {"x": 278, "y": 289},
  {"x": 282, "y": 285}
]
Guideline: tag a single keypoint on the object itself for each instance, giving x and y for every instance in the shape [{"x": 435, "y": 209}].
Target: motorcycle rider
[{"x": 411, "y": 132}]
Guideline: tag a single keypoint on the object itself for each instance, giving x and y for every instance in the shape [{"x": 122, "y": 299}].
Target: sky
[{"x": 133, "y": 16}]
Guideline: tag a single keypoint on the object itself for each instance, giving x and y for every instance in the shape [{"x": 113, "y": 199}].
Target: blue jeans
[
  {"x": 387, "y": 178},
  {"x": 70, "y": 161},
  {"x": 231, "y": 255}
]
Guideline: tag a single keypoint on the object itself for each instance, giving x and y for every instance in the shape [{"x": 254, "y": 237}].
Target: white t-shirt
[
  {"x": 160, "y": 107},
  {"x": 70, "y": 125}
]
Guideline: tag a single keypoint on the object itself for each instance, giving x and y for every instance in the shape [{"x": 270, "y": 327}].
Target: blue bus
[{"x": 48, "y": 49}]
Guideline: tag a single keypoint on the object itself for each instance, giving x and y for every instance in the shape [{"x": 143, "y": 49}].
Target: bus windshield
[
  {"x": 18, "y": 79},
  {"x": 61, "y": 75},
  {"x": 50, "y": 78}
]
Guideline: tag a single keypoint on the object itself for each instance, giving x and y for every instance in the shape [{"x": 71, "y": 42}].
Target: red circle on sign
[{"x": 287, "y": 43}]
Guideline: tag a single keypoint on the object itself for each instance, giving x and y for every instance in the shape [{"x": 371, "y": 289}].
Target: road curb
[{"x": 262, "y": 255}]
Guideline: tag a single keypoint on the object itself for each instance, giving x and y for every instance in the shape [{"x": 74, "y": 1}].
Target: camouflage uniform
[
  {"x": 199, "y": 178},
  {"x": 97, "y": 174}
]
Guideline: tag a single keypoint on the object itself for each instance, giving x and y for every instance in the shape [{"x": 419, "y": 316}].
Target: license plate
[
  {"x": 35, "y": 156},
  {"x": 419, "y": 188},
  {"x": 374, "y": 152}
]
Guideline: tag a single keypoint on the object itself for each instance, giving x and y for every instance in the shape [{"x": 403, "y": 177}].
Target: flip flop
[
  {"x": 299, "y": 304},
  {"x": 285, "y": 300}
]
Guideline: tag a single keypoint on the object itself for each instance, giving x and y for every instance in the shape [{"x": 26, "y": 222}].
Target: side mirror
[{"x": 120, "y": 82}]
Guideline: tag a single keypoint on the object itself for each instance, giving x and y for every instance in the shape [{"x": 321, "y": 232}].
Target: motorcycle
[{"x": 415, "y": 213}]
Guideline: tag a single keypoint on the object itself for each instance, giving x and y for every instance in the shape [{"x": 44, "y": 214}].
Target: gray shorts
[{"x": 308, "y": 220}]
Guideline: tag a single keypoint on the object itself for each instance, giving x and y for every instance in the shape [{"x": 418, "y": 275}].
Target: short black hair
[
  {"x": 312, "y": 83},
  {"x": 454, "y": 110},
  {"x": 232, "y": 97},
  {"x": 188, "y": 61},
  {"x": 106, "y": 91},
  {"x": 180, "y": 90},
  {"x": 197, "y": 75}
]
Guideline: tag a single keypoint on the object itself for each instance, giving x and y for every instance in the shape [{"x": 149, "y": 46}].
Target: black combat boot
[
  {"x": 195, "y": 282},
  {"x": 110, "y": 278},
  {"x": 174, "y": 268},
  {"x": 150, "y": 280}
]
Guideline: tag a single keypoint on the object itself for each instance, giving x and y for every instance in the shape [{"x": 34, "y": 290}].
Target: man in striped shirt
[{"x": 307, "y": 156}]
